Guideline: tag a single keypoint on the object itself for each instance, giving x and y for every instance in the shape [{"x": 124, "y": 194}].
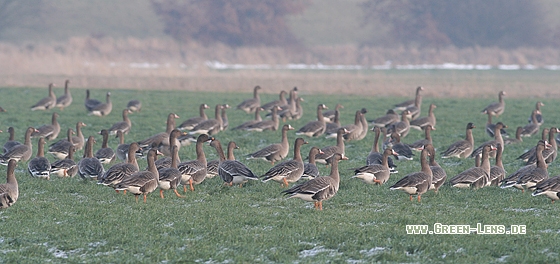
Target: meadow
[{"x": 71, "y": 220}]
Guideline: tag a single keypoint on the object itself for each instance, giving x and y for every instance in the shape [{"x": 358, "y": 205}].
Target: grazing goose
[
  {"x": 530, "y": 175},
  {"x": 158, "y": 138},
  {"x": 249, "y": 105},
  {"x": 319, "y": 189},
  {"x": 169, "y": 178},
  {"x": 354, "y": 129},
  {"x": 64, "y": 100},
  {"x": 89, "y": 103},
  {"x": 539, "y": 115},
  {"x": 405, "y": 152},
  {"x": 47, "y": 102},
  {"x": 550, "y": 188},
  {"x": 438, "y": 173},
  {"x": 375, "y": 157},
  {"x": 517, "y": 138},
  {"x": 333, "y": 126},
  {"x": 66, "y": 167},
  {"x": 419, "y": 144},
  {"x": 120, "y": 171},
  {"x": 49, "y": 132},
  {"x": 329, "y": 151},
  {"x": 263, "y": 125},
  {"x": 496, "y": 108},
  {"x": 225, "y": 121},
  {"x": 78, "y": 140},
  {"x": 317, "y": 127},
  {"x": 210, "y": 126},
  {"x": 549, "y": 154},
  {"x": 232, "y": 171},
  {"x": 9, "y": 191},
  {"x": 246, "y": 124},
  {"x": 497, "y": 140},
  {"x": 134, "y": 106},
  {"x": 142, "y": 182},
  {"x": 105, "y": 154},
  {"x": 417, "y": 182},
  {"x": 123, "y": 126},
  {"x": 281, "y": 102},
  {"x": 421, "y": 122},
  {"x": 476, "y": 177},
  {"x": 533, "y": 127},
  {"x": 491, "y": 126},
  {"x": 11, "y": 140},
  {"x": 497, "y": 172},
  {"x": 361, "y": 133},
  {"x": 310, "y": 170},
  {"x": 20, "y": 152},
  {"x": 194, "y": 171},
  {"x": 376, "y": 173},
  {"x": 60, "y": 148},
  {"x": 531, "y": 152},
  {"x": 212, "y": 166},
  {"x": 274, "y": 152},
  {"x": 329, "y": 115},
  {"x": 388, "y": 119},
  {"x": 290, "y": 170},
  {"x": 40, "y": 167},
  {"x": 404, "y": 105},
  {"x": 402, "y": 127},
  {"x": 103, "y": 109},
  {"x": 90, "y": 167}
]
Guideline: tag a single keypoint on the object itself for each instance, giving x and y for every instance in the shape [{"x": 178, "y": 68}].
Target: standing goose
[
  {"x": 531, "y": 152},
  {"x": 376, "y": 173},
  {"x": 494, "y": 143},
  {"x": 496, "y": 108},
  {"x": 105, "y": 154},
  {"x": 20, "y": 152},
  {"x": 517, "y": 138},
  {"x": 194, "y": 171},
  {"x": 419, "y": 144},
  {"x": 123, "y": 126},
  {"x": 421, "y": 122},
  {"x": 212, "y": 166},
  {"x": 169, "y": 178},
  {"x": 550, "y": 188},
  {"x": 232, "y": 171},
  {"x": 134, "y": 106},
  {"x": 11, "y": 140},
  {"x": 329, "y": 115},
  {"x": 122, "y": 148},
  {"x": 66, "y": 167},
  {"x": 225, "y": 121},
  {"x": 403, "y": 150},
  {"x": 533, "y": 127},
  {"x": 461, "y": 148},
  {"x": 530, "y": 178},
  {"x": 165, "y": 147},
  {"x": 363, "y": 129},
  {"x": 375, "y": 157},
  {"x": 40, "y": 167},
  {"x": 475, "y": 176},
  {"x": 491, "y": 126},
  {"x": 281, "y": 102},
  {"x": 9, "y": 191},
  {"x": 249, "y": 105},
  {"x": 353, "y": 129},
  {"x": 246, "y": 124},
  {"x": 438, "y": 173},
  {"x": 317, "y": 127},
  {"x": 404, "y": 105},
  {"x": 103, "y": 109},
  {"x": 319, "y": 189},
  {"x": 274, "y": 152},
  {"x": 402, "y": 127},
  {"x": 414, "y": 110},
  {"x": 417, "y": 182},
  {"x": 90, "y": 167},
  {"x": 49, "y": 132},
  {"x": 60, "y": 148},
  {"x": 388, "y": 119},
  {"x": 333, "y": 126},
  {"x": 89, "y": 103},
  {"x": 165, "y": 162},
  {"x": 539, "y": 115},
  {"x": 64, "y": 100},
  {"x": 290, "y": 170},
  {"x": 329, "y": 151},
  {"x": 210, "y": 126},
  {"x": 142, "y": 182},
  {"x": 497, "y": 172},
  {"x": 263, "y": 125},
  {"x": 310, "y": 169},
  {"x": 47, "y": 102},
  {"x": 120, "y": 171},
  {"x": 550, "y": 153},
  {"x": 78, "y": 140},
  {"x": 159, "y": 138},
  {"x": 290, "y": 109}
]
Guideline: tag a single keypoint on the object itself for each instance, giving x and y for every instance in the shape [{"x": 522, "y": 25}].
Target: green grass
[{"x": 69, "y": 220}]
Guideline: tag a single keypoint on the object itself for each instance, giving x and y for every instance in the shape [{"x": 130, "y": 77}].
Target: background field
[{"x": 68, "y": 220}]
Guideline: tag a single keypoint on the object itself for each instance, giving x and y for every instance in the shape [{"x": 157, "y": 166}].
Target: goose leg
[
  {"x": 191, "y": 184},
  {"x": 285, "y": 182},
  {"x": 161, "y": 193},
  {"x": 178, "y": 195}
]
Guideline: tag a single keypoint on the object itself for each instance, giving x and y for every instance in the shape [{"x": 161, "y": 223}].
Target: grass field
[{"x": 69, "y": 220}]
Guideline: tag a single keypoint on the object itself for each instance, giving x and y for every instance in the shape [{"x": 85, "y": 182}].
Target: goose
[
  {"x": 417, "y": 182},
  {"x": 89, "y": 103},
  {"x": 299, "y": 109},
  {"x": 263, "y": 125},
  {"x": 539, "y": 115},
  {"x": 158, "y": 138},
  {"x": 402, "y": 127},
  {"x": 414, "y": 110},
  {"x": 375, "y": 157},
  {"x": 517, "y": 139},
  {"x": 225, "y": 121},
  {"x": 194, "y": 171},
  {"x": 376, "y": 173},
  {"x": 405, "y": 152},
  {"x": 290, "y": 170},
  {"x": 438, "y": 173},
  {"x": 490, "y": 127},
  {"x": 102, "y": 109},
  {"x": 462, "y": 148},
  {"x": 212, "y": 166},
  {"x": 388, "y": 119},
  {"x": 105, "y": 154},
  {"x": 550, "y": 188},
  {"x": 165, "y": 147},
  {"x": 290, "y": 109},
  {"x": 78, "y": 140},
  {"x": 497, "y": 172},
  {"x": 66, "y": 167},
  {"x": 20, "y": 152},
  {"x": 142, "y": 182},
  {"x": 274, "y": 152},
  {"x": 232, "y": 171},
  {"x": 47, "y": 102},
  {"x": 169, "y": 178},
  {"x": 533, "y": 127},
  {"x": 11, "y": 140},
  {"x": 419, "y": 144},
  {"x": 49, "y": 132},
  {"x": 315, "y": 128},
  {"x": 9, "y": 191},
  {"x": 134, "y": 106},
  {"x": 294, "y": 110},
  {"x": 122, "y": 148},
  {"x": 329, "y": 115},
  {"x": 551, "y": 153},
  {"x": 60, "y": 148},
  {"x": 475, "y": 176},
  {"x": 90, "y": 167},
  {"x": 333, "y": 126},
  {"x": 310, "y": 170},
  {"x": 281, "y": 102},
  {"x": 329, "y": 151},
  {"x": 249, "y": 105},
  {"x": 361, "y": 132},
  {"x": 120, "y": 171},
  {"x": 64, "y": 100},
  {"x": 246, "y": 124},
  {"x": 319, "y": 189},
  {"x": 497, "y": 140},
  {"x": 530, "y": 175},
  {"x": 531, "y": 152},
  {"x": 404, "y": 105},
  {"x": 40, "y": 167},
  {"x": 421, "y": 122},
  {"x": 354, "y": 129},
  {"x": 123, "y": 126},
  {"x": 210, "y": 126},
  {"x": 496, "y": 108}
]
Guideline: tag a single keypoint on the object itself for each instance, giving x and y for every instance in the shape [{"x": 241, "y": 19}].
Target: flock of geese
[{"x": 168, "y": 172}]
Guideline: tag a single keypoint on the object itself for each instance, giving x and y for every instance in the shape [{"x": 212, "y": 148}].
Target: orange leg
[
  {"x": 419, "y": 197},
  {"x": 124, "y": 192},
  {"x": 184, "y": 188},
  {"x": 117, "y": 191},
  {"x": 144, "y": 198},
  {"x": 285, "y": 182},
  {"x": 178, "y": 195},
  {"x": 316, "y": 205},
  {"x": 241, "y": 185},
  {"x": 136, "y": 197},
  {"x": 191, "y": 184},
  {"x": 378, "y": 181},
  {"x": 320, "y": 205},
  {"x": 411, "y": 197},
  {"x": 161, "y": 193}
]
